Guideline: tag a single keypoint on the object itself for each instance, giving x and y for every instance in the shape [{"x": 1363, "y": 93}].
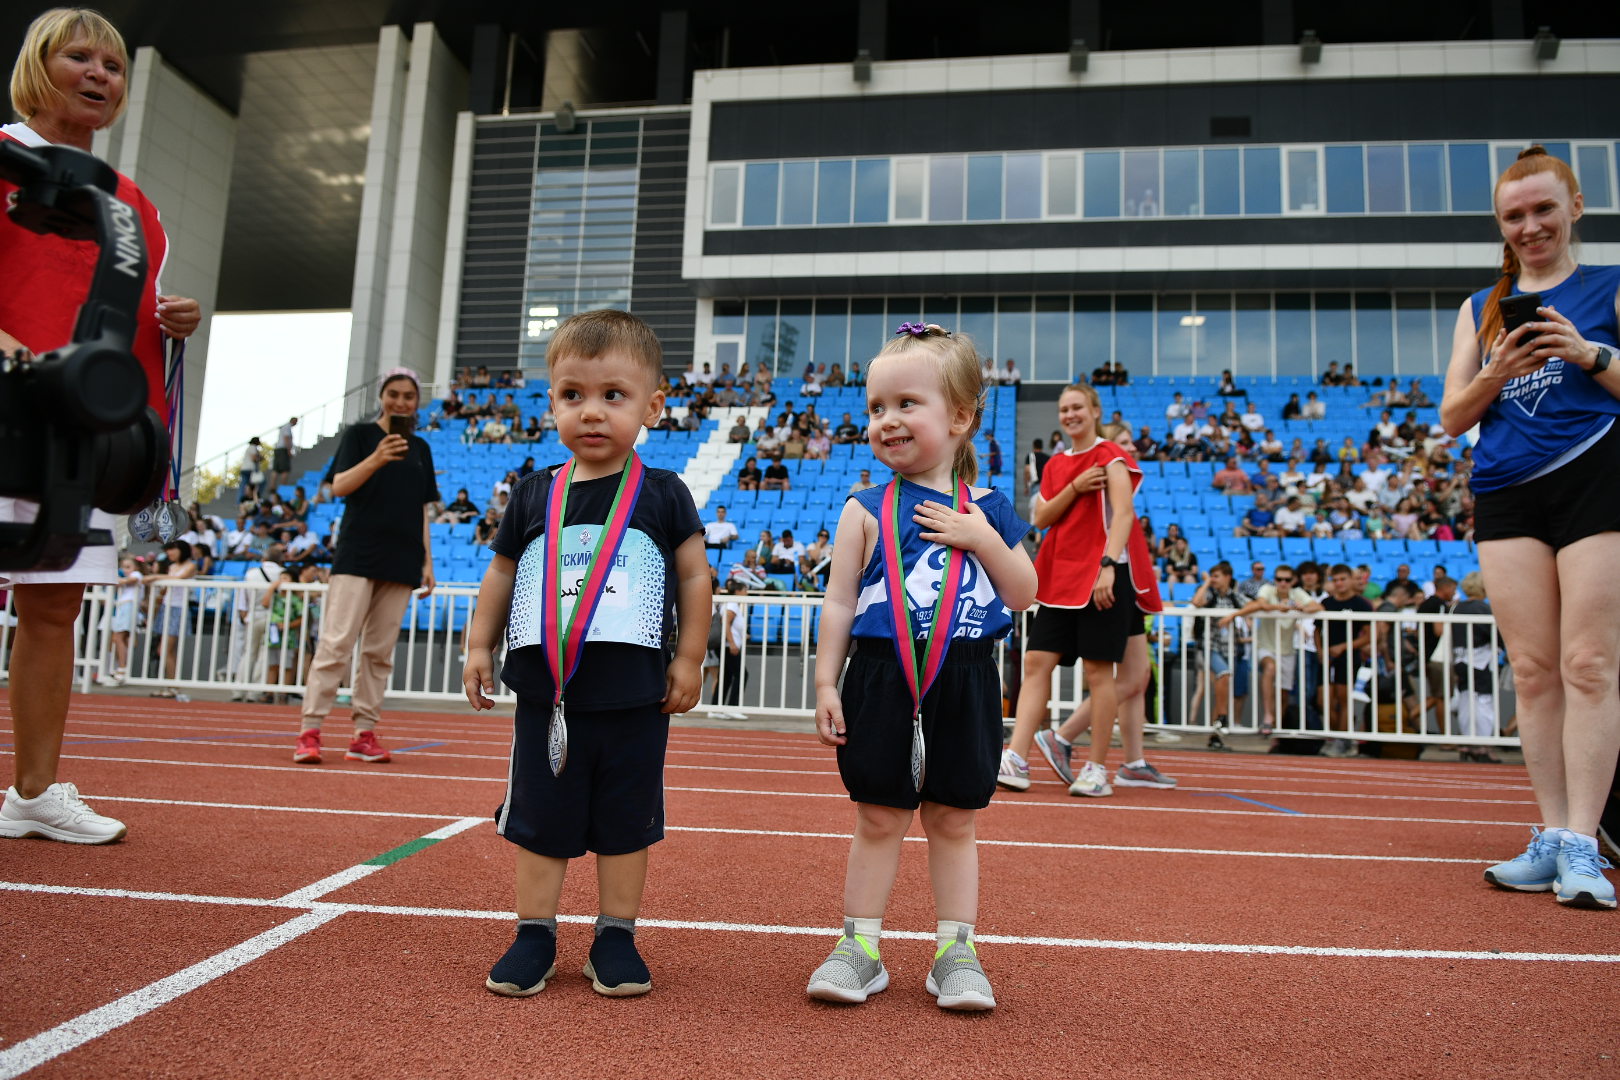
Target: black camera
[{"x": 75, "y": 430}]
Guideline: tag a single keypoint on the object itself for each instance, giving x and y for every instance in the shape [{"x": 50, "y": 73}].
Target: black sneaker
[
  {"x": 528, "y": 963},
  {"x": 615, "y": 967}
]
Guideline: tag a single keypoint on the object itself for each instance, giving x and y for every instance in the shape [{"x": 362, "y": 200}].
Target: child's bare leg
[
  {"x": 953, "y": 861},
  {"x": 620, "y": 881},
  {"x": 539, "y": 884},
  {"x": 531, "y": 958},
  {"x": 874, "y": 859}
]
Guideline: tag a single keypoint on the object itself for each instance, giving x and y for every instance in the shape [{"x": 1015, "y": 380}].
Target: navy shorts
[
  {"x": 610, "y": 796},
  {"x": 1088, "y": 633},
  {"x": 961, "y": 721},
  {"x": 1574, "y": 501}
]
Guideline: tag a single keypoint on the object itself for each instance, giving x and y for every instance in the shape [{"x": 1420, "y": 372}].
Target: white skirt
[{"x": 96, "y": 565}]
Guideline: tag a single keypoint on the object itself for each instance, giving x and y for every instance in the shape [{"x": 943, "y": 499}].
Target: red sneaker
[
  {"x": 365, "y": 747},
  {"x": 308, "y": 750}
]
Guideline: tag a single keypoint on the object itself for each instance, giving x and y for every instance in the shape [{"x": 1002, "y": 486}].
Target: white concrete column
[
  {"x": 177, "y": 143},
  {"x": 455, "y": 246}
]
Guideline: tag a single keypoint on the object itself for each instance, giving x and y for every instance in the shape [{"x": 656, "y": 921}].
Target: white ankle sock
[
  {"x": 1061, "y": 741},
  {"x": 1137, "y": 764},
  {"x": 870, "y": 929},
  {"x": 945, "y": 936}
]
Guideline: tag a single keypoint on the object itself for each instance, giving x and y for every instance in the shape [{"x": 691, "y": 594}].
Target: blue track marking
[
  {"x": 1252, "y": 802},
  {"x": 420, "y": 746}
]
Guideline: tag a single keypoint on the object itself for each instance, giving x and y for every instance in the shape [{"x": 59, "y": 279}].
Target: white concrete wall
[
  {"x": 455, "y": 246},
  {"x": 177, "y": 143}
]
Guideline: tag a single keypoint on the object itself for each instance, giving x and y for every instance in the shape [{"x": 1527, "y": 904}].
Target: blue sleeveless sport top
[
  {"x": 982, "y": 614},
  {"x": 1539, "y": 416}
]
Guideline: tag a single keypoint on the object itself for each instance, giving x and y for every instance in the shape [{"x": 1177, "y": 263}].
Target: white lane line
[
  {"x": 1097, "y": 847},
  {"x": 1231, "y": 948},
  {"x": 53, "y": 1043},
  {"x": 280, "y": 809}
]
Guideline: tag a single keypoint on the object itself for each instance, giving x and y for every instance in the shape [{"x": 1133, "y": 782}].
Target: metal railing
[{"x": 1419, "y": 678}]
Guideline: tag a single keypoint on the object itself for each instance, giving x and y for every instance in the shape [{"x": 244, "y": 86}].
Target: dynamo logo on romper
[{"x": 922, "y": 590}]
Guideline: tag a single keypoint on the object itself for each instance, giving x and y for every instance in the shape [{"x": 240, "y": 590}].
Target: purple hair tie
[{"x": 917, "y": 329}]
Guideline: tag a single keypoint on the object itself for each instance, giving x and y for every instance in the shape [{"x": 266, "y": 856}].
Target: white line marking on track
[
  {"x": 1240, "y": 949},
  {"x": 280, "y": 809},
  {"x": 53, "y": 1043}
]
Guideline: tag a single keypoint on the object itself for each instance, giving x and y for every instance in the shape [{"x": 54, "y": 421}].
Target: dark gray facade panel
[
  {"x": 1348, "y": 110},
  {"x": 1234, "y": 232},
  {"x": 948, "y": 284}
]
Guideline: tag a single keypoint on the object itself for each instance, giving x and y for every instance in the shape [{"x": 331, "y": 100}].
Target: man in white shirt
[
  {"x": 702, "y": 378},
  {"x": 1291, "y": 517},
  {"x": 1375, "y": 478},
  {"x": 1010, "y": 375},
  {"x": 1360, "y": 496},
  {"x": 719, "y": 532},
  {"x": 786, "y": 553},
  {"x": 303, "y": 543},
  {"x": 1251, "y": 418},
  {"x": 247, "y": 651},
  {"x": 1175, "y": 411}
]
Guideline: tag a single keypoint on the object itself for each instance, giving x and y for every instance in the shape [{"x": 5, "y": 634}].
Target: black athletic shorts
[
  {"x": 1572, "y": 502},
  {"x": 610, "y": 796},
  {"x": 961, "y": 721},
  {"x": 1088, "y": 633}
]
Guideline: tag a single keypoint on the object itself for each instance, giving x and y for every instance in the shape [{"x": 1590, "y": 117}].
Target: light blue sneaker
[
  {"x": 1533, "y": 871},
  {"x": 1580, "y": 876}
]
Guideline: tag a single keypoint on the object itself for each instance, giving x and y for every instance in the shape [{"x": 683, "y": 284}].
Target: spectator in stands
[
  {"x": 764, "y": 546},
  {"x": 1271, "y": 447},
  {"x": 1257, "y": 520},
  {"x": 814, "y": 562},
  {"x": 1275, "y": 608},
  {"x": 1436, "y": 642},
  {"x": 739, "y": 430},
  {"x": 1252, "y": 420},
  {"x": 1221, "y": 638},
  {"x": 470, "y": 433},
  {"x": 1010, "y": 375},
  {"x": 508, "y": 410},
  {"x": 1229, "y": 419},
  {"x": 487, "y": 526},
  {"x": 749, "y": 476},
  {"x": 750, "y": 571},
  {"x": 819, "y": 446},
  {"x": 1180, "y": 562},
  {"x": 777, "y": 478},
  {"x": 548, "y": 420},
  {"x": 1315, "y": 407},
  {"x": 307, "y": 546},
  {"x": 987, "y": 372},
  {"x": 835, "y": 377},
  {"x": 1162, "y": 547},
  {"x": 480, "y": 379},
  {"x": 1292, "y": 410},
  {"x": 1231, "y": 480},
  {"x": 499, "y": 504},
  {"x": 700, "y": 379},
  {"x": 695, "y": 415},
  {"x": 856, "y": 376},
  {"x": 495, "y": 431},
  {"x": 767, "y": 443},
  {"x": 532, "y": 431},
  {"x": 811, "y": 387},
  {"x": 719, "y": 533},
  {"x": 1101, "y": 376},
  {"x": 1350, "y": 378},
  {"x": 1416, "y": 396},
  {"x": 1034, "y": 464},
  {"x": 1250, "y": 587},
  {"x": 848, "y": 432},
  {"x": 1348, "y": 450},
  {"x": 1332, "y": 376},
  {"x": 1344, "y": 643},
  {"x": 667, "y": 422},
  {"x": 785, "y": 554},
  {"x": 174, "y": 613},
  {"x": 1147, "y": 447},
  {"x": 1228, "y": 386},
  {"x": 1290, "y": 518},
  {"x": 1474, "y": 656},
  {"x": 1120, "y": 376},
  {"x": 524, "y": 469},
  {"x": 1176, "y": 410},
  {"x": 992, "y": 454},
  {"x": 863, "y": 483}
]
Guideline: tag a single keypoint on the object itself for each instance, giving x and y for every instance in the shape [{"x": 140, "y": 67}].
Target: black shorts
[
  {"x": 1570, "y": 503},
  {"x": 610, "y": 796},
  {"x": 1088, "y": 633},
  {"x": 1340, "y": 669},
  {"x": 961, "y": 721},
  {"x": 281, "y": 460}
]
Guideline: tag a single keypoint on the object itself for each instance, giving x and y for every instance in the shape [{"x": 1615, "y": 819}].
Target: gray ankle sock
[
  {"x": 549, "y": 924},
  {"x": 603, "y": 922}
]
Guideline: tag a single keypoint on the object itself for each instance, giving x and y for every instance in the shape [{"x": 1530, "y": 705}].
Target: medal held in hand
[
  {"x": 920, "y": 677},
  {"x": 564, "y": 641},
  {"x": 167, "y": 518}
]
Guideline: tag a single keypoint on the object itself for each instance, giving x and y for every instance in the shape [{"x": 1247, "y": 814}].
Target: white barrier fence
[{"x": 1413, "y": 677}]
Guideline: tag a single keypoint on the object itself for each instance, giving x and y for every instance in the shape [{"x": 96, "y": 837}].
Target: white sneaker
[
  {"x": 1093, "y": 780},
  {"x": 1013, "y": 773},
  {"x": 57, "y": 814}
]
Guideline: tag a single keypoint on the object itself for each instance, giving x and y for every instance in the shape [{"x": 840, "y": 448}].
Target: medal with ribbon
[
  {"x": 919, "y": 677},
  {"x": 166, "y": 518},
  {"x": 564, "y": 641}
]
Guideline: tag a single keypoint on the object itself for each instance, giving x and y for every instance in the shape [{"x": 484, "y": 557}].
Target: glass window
[
  {"x": 1346, "y": 189},
  {"x": 761, "y": 342},
  {"x": 793, "y": 338},
  {"x": 1222, "y": 182},
  {"x": 904, "y": 309},
  {"x": 947, "y": 182},
  {"x": 1335, "y": 339},
  {"x": 759, "y": 197},
  {"x": 1179, "y": 331},
  {"x": 1471, "y": 178},
  {"x": 978, "y": 321},
  {"x": 1142, "y": 187},
  {"x": 832, "y": 332},
  {"x": 1013, "y": 331},
  {"x": 1253, "y": 334},
  {"x": 728, "y": 316},
  {"x": 1133, "y": 332},
  {"x": 1386, "y": 179},
  {"x": 1294, "y": 353},
  {"x": 798, "y": 193},
  {"x": 872, "y": 190},
  {"x": 1102, "y": 183},
  {"x": 1505, "y": 156},
  {"x": 1375, "y": 334},
  {"x": 1181, "y": 183},
  {"x": 1050, "y": 359},
  {"x": 940, "y": 310},
  {"x": 1592, "y": 169},
  {"x": 723, "y": 199},
  {"x": 984, "y": 187},
  {"x": 1093, "y": 332},
  {"x": 1024, "y": 187},
  {"x": 867, "y": 331},
  {"x": 1559, "y": 150},
  {"x": 1062, "y": 180},
  {"x": 1415, "y": 353},
  {"x": 909, "y": 175},
  {"x": 833, "y": 192},
  {"x": 1303, "y": 187},
  {"x": 1262, "y": 180},
  {"x": 1213, "y": 341},
  {"x": 1426, "y": 165}
]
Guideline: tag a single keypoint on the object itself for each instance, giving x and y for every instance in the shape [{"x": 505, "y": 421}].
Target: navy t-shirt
[
  {"x": 632, "y": 637},
  {"x": 381, "y": 536}
]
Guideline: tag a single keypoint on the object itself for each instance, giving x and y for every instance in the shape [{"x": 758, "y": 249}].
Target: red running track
[{"x": 1300, "y": 917}]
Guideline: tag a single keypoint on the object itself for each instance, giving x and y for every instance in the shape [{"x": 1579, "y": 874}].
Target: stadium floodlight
[
  {"x": 1310, "y": 48},
  {"x": 1079, "y": 57},
  {"x": 1545, "y": 43}
]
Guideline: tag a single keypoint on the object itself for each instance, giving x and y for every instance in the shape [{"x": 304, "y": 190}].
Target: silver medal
[
  {"x": 557, "y": 741},
  {"x": 172, "y": 520},
  {"x": 143, "y": 523},
  {"x": 919, "y": 752}
]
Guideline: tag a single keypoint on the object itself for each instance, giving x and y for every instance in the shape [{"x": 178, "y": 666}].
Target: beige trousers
[{"x": 359, "y": 614}]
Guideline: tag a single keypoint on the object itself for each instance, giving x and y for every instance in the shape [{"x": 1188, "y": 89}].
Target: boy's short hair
[
  {"x": 1339, "y": 568},
  {"x": 591, "y": 334}
]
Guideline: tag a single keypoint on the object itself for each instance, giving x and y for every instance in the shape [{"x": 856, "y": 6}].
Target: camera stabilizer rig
[{"x": 75, "y": 430}]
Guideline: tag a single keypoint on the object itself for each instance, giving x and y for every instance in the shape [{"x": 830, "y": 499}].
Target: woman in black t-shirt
[
  {"x": 383, "y": 552},
  {"x": 749, "y": 476}
]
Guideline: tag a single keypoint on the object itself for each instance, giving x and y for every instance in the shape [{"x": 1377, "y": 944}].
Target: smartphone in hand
[
  {"x": 401, "y": 425},
  {"x": 1518, "y": 310}
]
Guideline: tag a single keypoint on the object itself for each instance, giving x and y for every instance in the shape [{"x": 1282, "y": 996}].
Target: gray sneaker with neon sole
[
  {"x": 851, "y": 973},
  {"x": 957, "y": 979}
]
